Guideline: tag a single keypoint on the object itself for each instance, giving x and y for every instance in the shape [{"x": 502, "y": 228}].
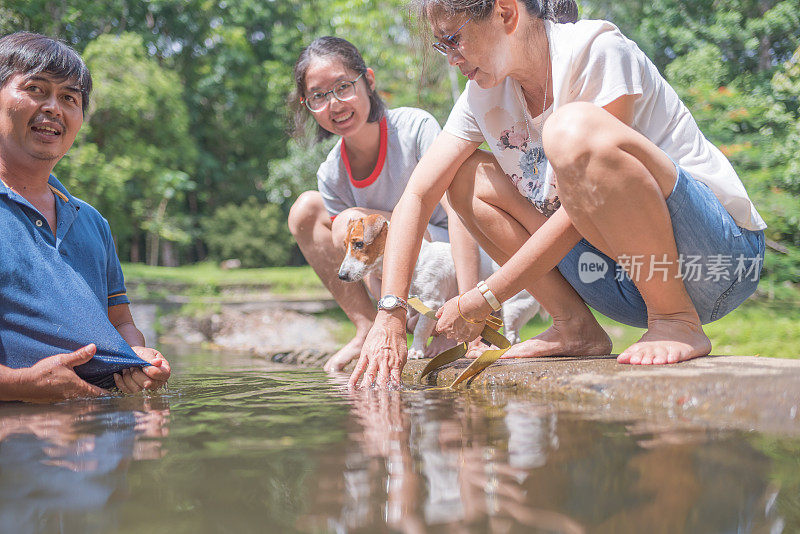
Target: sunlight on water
[{"x": 238, "y": 445}]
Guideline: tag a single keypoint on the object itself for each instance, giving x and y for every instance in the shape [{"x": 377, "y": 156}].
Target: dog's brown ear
[
  {"x": 351, "y": 227},
  {"x": 372, "y": 229}
]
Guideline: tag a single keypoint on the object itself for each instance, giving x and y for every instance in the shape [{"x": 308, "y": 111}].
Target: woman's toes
[{"x": 661, "y": 357}]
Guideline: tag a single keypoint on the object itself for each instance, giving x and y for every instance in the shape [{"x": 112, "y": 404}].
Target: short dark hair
[
  {"x": 349, "y": 55},
  {"x": 32, "y": 53}
]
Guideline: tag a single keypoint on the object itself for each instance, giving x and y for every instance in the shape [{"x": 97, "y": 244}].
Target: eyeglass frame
[
  {"x": 443, "y": 47},
  {"x": 304, "y": 100}
]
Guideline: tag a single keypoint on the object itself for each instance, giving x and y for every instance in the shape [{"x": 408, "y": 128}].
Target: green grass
[{"x": 208, "y": 278}]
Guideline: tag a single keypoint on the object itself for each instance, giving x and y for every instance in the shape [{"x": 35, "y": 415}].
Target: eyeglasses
[
  {"x": 449, "y": 43},
  {"x": 344, "y": 90}
]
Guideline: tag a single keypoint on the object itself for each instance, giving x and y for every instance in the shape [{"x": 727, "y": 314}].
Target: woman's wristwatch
[{"x": 391, "y": 302}]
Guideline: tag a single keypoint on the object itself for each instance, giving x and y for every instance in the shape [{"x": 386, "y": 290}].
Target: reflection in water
[
  {"x": 241, "y": 446},
  {"x": 433, "y": 462},
  {"x": 59, "y": 462}
]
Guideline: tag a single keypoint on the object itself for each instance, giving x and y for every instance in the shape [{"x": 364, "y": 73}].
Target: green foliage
[
  {"x": 190, "y": 114},
  {"x": 135, "y": 156},
  {"x": 253, "y": 232},
  {"x": 297, "y": 172}
]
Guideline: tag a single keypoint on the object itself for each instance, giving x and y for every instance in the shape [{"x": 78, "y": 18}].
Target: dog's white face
[{"x": 364, "y": 245}]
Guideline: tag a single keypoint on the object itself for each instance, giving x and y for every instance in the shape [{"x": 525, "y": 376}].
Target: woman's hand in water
[
  {"x": 383, "y": 355},
  {"x": 452, "y": 323}
]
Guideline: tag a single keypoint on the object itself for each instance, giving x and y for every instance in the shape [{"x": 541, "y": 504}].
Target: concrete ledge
[
  {"x": 715, "y": 392},
  {"x": 736, "y": 392}
]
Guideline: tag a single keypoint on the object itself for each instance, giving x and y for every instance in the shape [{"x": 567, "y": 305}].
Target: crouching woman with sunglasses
[
  {"x": 600, "y": 190},
  {"x": 365, "y": 172}
]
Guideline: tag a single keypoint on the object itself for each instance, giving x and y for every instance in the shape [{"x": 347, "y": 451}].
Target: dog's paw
[{"x": 415, "y": 354}]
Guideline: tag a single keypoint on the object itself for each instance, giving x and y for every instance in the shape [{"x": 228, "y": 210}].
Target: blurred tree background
[{"x": 186, "y": 151}]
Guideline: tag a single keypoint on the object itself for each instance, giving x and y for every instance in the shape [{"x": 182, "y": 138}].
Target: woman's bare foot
[
  {"x": 345, "y": 355},
  {"x": 667, "y": 341},
  {"x": 583, "y": 337}
]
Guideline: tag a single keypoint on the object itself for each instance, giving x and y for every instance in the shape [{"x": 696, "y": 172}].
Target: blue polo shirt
[{"x": 55, "y": 290}]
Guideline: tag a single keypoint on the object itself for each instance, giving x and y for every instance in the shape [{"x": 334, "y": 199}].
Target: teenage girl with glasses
[
  {"x": 365, "y": 172},
  {"x": 599, "y": 191}
]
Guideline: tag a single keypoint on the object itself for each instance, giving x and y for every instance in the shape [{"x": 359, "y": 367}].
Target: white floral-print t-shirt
[
  {"x": 591, "y": 61},
  {"x": 521, "y": 151}
]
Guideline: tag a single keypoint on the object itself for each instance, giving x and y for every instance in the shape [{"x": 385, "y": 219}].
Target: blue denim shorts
[{"x": 720, "y": 262}]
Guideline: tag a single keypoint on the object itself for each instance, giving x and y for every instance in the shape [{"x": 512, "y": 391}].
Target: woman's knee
[
  {"x": 306, "y": 211},
  {"x": 583, "y": 141},
  {"x": 575, "y": 134}
]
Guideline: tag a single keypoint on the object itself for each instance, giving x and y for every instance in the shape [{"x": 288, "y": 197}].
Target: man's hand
[
  {"x": 152, "y": 377},
  {"x": 52, "y": 379}
]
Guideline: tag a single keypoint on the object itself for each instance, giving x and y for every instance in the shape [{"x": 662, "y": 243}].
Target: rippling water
[{"x": 239, "y": 445}]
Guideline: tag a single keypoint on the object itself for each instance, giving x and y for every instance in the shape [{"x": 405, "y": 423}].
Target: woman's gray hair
[{"x": 554, "y": 10}]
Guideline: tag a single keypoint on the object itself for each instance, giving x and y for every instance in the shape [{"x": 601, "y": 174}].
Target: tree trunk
[
  {"x": 764, "y": 54},
  {"x": 135, "y": 257},
  {"x": 152, "y": 248},
  {"x": 169, "y": 258}
]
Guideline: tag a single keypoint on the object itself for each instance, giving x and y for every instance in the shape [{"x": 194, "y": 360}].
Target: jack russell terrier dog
[{"x": 433, "y": 281}]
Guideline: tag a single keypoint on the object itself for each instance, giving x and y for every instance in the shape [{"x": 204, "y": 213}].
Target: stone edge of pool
[{"x": 720, "y": 392}]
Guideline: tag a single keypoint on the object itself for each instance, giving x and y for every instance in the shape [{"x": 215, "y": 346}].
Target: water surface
[{"x": 241, "y": 445}]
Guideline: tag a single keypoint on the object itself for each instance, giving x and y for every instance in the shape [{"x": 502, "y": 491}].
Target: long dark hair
[
  {"x": 554, "y": 10},
  {"x": 328, "y": 47},
  {"x": 32, "y": 53}
]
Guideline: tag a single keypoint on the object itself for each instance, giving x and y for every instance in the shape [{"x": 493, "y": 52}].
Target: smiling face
[
  {"x": 340, "y": 118},
  {"x": 39, "y": 118}
]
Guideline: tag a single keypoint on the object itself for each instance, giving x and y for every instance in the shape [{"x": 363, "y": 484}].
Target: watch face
[{"x": 389, "y": 301}]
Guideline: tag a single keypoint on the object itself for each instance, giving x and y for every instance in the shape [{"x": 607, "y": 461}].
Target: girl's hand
[
  {"x": 452, "y": 324},
  {"x": 384, "y": 353}
]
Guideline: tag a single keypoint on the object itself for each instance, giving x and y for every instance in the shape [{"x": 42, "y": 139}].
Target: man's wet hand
[
  {"x": 151, "y": 377},
  {"x": 53, "y": 379}
]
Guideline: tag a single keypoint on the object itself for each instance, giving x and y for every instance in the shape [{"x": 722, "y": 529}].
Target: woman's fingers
[
  {"x": 359, "y": 369},
  {"x": 383, "y": 372},
  {"x": 371, "y": 374}
]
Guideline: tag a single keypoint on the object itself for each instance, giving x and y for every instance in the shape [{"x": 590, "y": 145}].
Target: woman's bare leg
[
  {"x": 478, "y": 191},
  {"x": 613, "y": 180},
  {"x": 311, "y": 226}
]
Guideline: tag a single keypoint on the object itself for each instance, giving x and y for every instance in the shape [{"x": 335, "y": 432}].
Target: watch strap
[{"x": 401, "y": 303}]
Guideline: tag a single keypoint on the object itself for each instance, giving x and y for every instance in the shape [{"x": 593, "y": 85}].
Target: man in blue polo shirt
[{"x": 65, "y": 324}]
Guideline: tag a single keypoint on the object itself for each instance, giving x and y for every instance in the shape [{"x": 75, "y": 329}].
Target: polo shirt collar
[
  {"x": 57, "y": 187},
  {"x": 66, "y": 209},
  {"x": 66, "y": 206}
]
